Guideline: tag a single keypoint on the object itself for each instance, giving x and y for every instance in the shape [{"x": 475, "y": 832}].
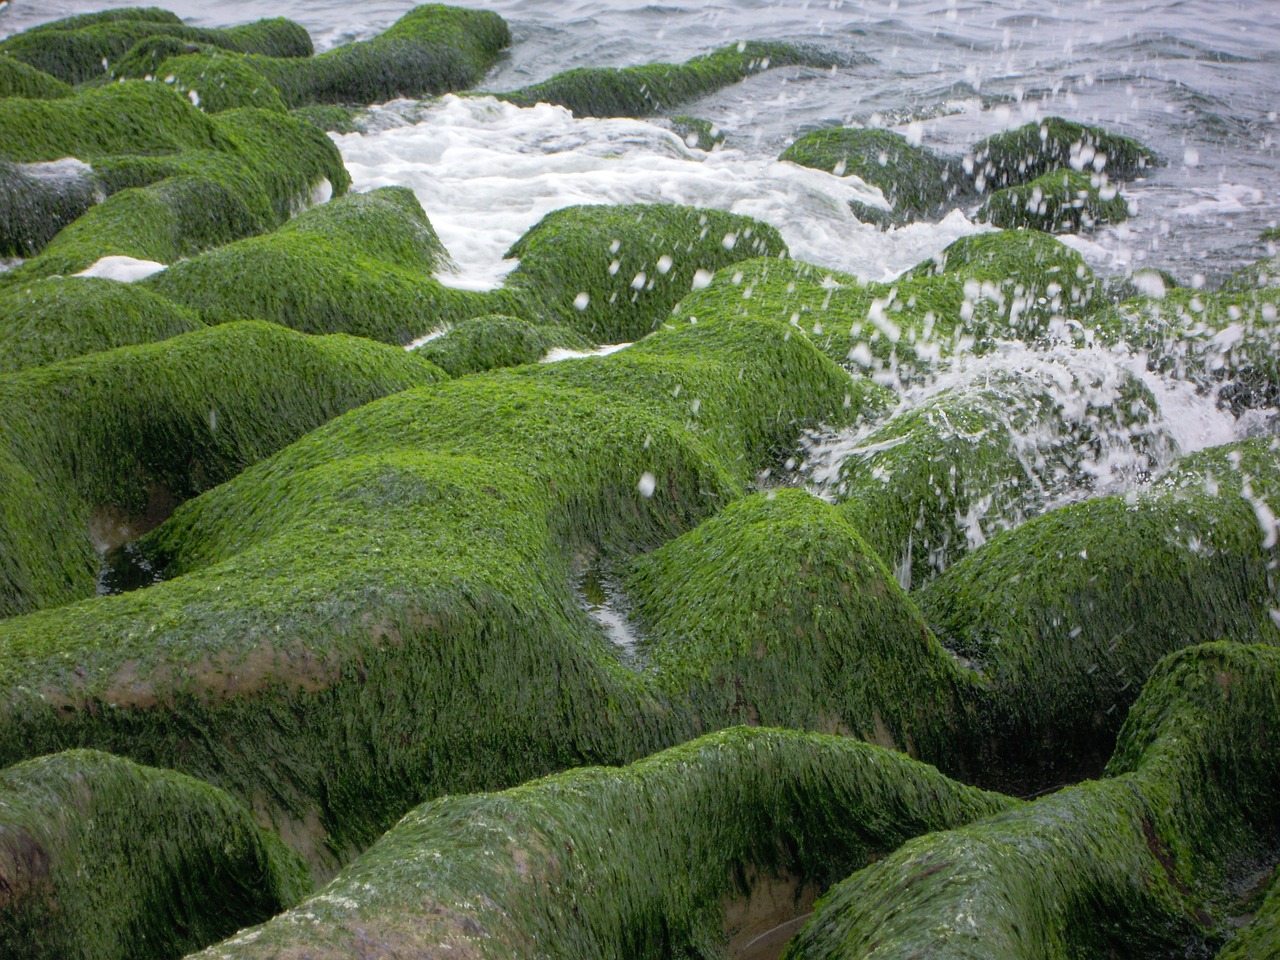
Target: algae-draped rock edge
[{"x": 365, "y": 653}]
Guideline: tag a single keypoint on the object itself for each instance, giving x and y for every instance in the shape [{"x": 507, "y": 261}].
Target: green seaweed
[
  {"x": 914, "y": 180},
  {"x": 217, "y": 80},
  {"x": 63, "y": 317},
  {"x": 654, "y": 88},
  {"x": 1066, "y": 614},
  {"x": 1022, "y": 155},
  {"x": 18, "y": 79},
  {"x": 38, "y": 200},
  {"x": 106, "y": 859},
  {"x": 330, "y": 117},
  {"x": 489, "y": 342},
  {"x": 101, "y": 447},
  {"x": 1132, "y": 865},
  {"x": 641, "y": 861},
  {"x": 78, "y": 50},
  {"x": 383, "y": 611},
  {"x": 697, "y": 133},
  {"x": 1060, "y": 201}
]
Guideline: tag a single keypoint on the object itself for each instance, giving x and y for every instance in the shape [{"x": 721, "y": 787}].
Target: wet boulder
[
  {"x": 1036, "y": 148},
  {"x": 1061, "y": 201}
]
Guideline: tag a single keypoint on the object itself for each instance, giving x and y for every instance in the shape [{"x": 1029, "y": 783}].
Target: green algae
[
  {"x": 1134, "y": 864},
  {"x": 220, "y": 81},
  {"x": 915, "y": 181},
  {"x": 38, "y": 200},
  {"x": 803, "y": 626},
  {"x": 77, "y": 50},
  {"x": 614, "y": 272},
  {"x": 1022, "y": 155},
  {"x": 331, "y": 118},
  {"x": 1066, "y": 614},
  {"x": 486, "y": 343},
  {"x": 1261, "y": 936},
  {"x": 432, "y": 49},
  {"x": 333, "y": 696},
  {"x": 654, "y": 88},
  {"x": 638, "y": 862},
  {"x": 18, "y": 79},
  {"x": 103, "y": 446},
  {"x": 939, "y": 478},
  {"x": 59, "y": 318},
  {"x": 1061, "y": 201},
  {"x": 106, "y": 859},
  {"x": 697, "y": 133}
]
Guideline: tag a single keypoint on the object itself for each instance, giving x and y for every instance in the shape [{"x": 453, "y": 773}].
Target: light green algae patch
[
  {"x": 1133, "y": 865},
  {"x": 80, "y": 49},
  {"x": 614, "y": 272},
  {"x": 787, "y": 604},
  {"x": 916, "y": 181},
  {"x": 1067, "y": 614},
  {"x": 1061, "y": 201},
  {"x": 1022, "y": 155},
  {"x": 59, "y": 318},
  {"x": 941, "y": 477},
  {"x": 1005, "y": 285},
  {"x": 106, "y": 860},
  {"x": 647, "y": 860},
  {"x": 384, "y": 611},
  {"x": 658, "y": 87},
  {"x": 486, "y": 343},
  {"x": 102, "y": 447}
]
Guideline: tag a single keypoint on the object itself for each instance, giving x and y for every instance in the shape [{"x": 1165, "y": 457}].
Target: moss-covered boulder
[
  {"x": 391, "y": 597},
  {"x": 105, "y": 859},
  {"x": 1061, "y": 201},
  {"x": 213, "y": 181},
  {"x": 39, "y": 199},
  {"x": 100, "y": 448},
  {"x": 1015, "y": 284},
  {"x": 701, "y": 847},
  {"x": 18, "y": 79},
  {"x": 657, "y": 87},
  {"x": 432, "y": 49},
  {"x": 788, "y": 603},
  {"x": 1022, "y": 155},
  {"x": 79, "y": 49},
  {"x": 1067, "y": 614},
  {"x": 614, "y": 272},
  {"x": 217, "y": 80},
  {"x": 1138, "y": 864},
  {"x": 59, "y": 318},
  {"x": 916, "y": 181},
  {"x": 941, "y": 477},
  {"x": 486, "y": 343}
]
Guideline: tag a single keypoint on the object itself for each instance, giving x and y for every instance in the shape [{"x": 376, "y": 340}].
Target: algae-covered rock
[
  {"x": 39, "y": 199},
  {"x": 360, "y": 264},
  {"x": 391, "y": 596},
  {"x": 945, "y": 474},
  {"x": 486, "y": 343},
  {"x": 788, "y": 604},
  {"x": 1261, "y": 936},
  {"x": 697, "y": 133},
  {"x": 1061, "y": 201},
  {"x": 703, "y": 846},
  {"x": 1022, "y": 155},
  {"x": 262, "y": 168},
  {"x": 18, "y": 79},
  {"x": 102, "y": 447},
  {"x": 914, "y": 180},
  {"x": 1137, "y": 864},
  {"x": 613, "y": 273},
  {"x": 79, "y": 49},
  {"x": 432, "y": 49},
  {"x": 105, "y": 859},
  {"x": 656, "y": 87},
  {"x": 1067, "y": 613},
  {"x": 218, "y": 81},
  {"x": 62, "y": 317},
  {"x": 331, "y": 118}
]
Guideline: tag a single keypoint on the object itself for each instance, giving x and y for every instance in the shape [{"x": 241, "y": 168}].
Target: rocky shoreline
[{"x": 295, "y": 622}]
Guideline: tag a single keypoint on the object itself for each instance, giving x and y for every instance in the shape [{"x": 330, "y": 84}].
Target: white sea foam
[
  {"x": 556, "y": 354},
  {"x": 124, "y": 269},
  {"x": 485, "y": 171}
]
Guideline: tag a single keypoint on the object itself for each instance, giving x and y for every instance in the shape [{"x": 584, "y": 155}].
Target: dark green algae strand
[
  {"x": 103, "y": 859},
  {"x": 637, "y": 861},
  {"x": 384, "y": 610},
  {"x": 101, "y": 447},
  {"x": 1067, "y": 614},
  {"x": 1140, "y": 863}
]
